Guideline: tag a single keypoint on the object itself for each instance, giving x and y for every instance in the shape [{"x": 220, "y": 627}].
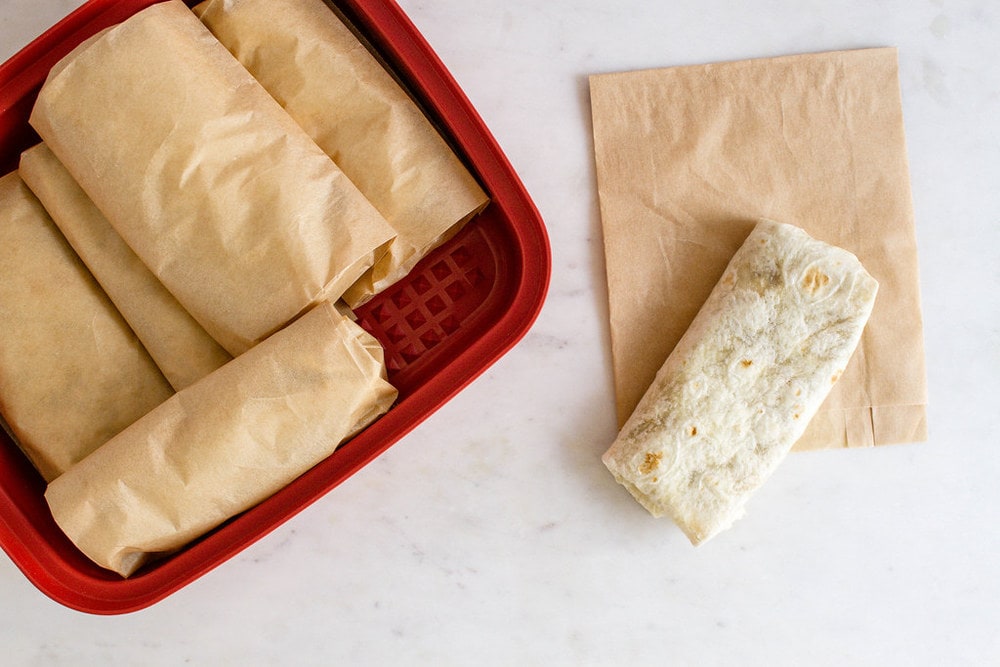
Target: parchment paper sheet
[
  {"x": 225, "y": 443},
  {"x": 181, "y": 348},
  {"x": 219, "y": 192},
  {"x": 688, "y": 158},
  {"x": 72, "y": 373},
  {"x": 359, "y": 115}
]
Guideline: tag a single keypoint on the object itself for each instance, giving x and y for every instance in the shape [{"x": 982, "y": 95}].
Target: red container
[{"x": 461, "y": 309}]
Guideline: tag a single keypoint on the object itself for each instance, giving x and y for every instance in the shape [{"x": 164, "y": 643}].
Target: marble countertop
[{"x": 493, "y": 535}]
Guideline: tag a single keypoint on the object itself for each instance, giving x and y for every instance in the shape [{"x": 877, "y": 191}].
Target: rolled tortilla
[
  {"x": 745, "y": 379},
  {"x": 305, "y": 56},
  {"x": 219, "y": 192},
  {"x": 72, "y": 373},
  {"x": 181, "y": 348},
  {"x": 225, "y": 443}
]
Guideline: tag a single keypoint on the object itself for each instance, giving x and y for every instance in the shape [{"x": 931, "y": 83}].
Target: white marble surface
[{"x": 492, "y": 534}]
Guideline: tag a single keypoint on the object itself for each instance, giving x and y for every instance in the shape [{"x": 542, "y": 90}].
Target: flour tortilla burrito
[
  {"x": 225, "y": 443},
  {"x": 220, "y": 193},
  {"x": 745, "y": 379},
  {"x": 72, "y": 373}
]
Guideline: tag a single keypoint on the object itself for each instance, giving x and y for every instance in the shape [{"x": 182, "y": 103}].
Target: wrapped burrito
[
  {"x": 745, "y": 379},
  {"x": 181, "y": 348},
  {"x": 225, "y": 443},
  {"x": 72, "y": 373},
  {"x": 352, "y": 107},
  {"x": 219, "y": 192}
]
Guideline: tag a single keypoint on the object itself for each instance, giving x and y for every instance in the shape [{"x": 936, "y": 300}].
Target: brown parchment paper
[
  {"x": 72, "y": 373},
  {"x": 181, "y": 348},
  {"x": 359, "y": 115},
  {"x": 225, "y": 443},
  {"x": 219, "y": 192},
  {"x": 689, "y": 158}
]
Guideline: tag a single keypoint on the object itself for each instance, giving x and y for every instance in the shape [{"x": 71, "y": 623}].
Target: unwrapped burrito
[
  {"x": 351, "y": 106},
  {"x": 745, "y": 379},
  {"x": 225, "y": 443},
  {"x": 72, "y": 373},
  {"x": 181, "y": 348},
  {"x": 212, "y": 184}
]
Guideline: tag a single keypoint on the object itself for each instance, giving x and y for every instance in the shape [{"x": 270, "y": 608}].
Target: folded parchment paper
[
  {"x": 219, "y": 192},
  {"x": 348, "y": 103},
  {"x": 72, "y": 373},
  {"x": 181, "y": 348},
  {"x": 225, "y": 443},
  {"x": 689, "y": 157}
]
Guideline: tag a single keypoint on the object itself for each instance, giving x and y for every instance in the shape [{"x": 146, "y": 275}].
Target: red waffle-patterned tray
[{"x": 456, "y": 313}]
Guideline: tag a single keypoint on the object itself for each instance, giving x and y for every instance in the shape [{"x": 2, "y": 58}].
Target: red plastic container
[{"x": 454, "y": 315}]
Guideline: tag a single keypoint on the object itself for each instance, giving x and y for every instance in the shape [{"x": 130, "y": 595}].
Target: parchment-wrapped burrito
[
  {"x": 745, "y": 379},
  {"x": 225, "y": 443},
  {"x": 72, "y": 373},
  {"x": 219, "y": 192},
  {"x": 181, "y": 348},
  {"x": 352, "y": 107}
]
